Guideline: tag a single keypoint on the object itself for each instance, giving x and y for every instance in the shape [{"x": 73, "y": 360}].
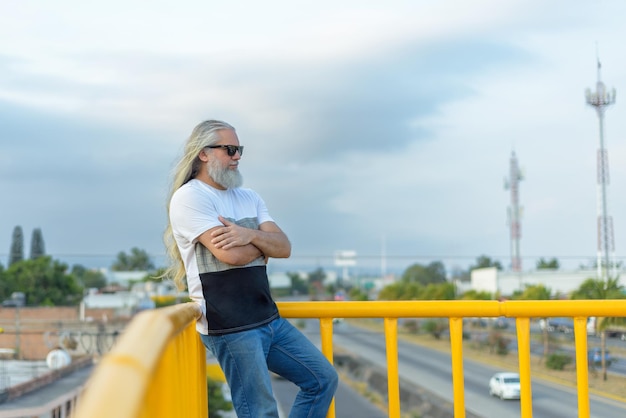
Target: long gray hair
[{"x": 203, "y": 135}]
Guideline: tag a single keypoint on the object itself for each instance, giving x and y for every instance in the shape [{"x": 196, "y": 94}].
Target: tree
[
  {"x": 441, "y": 291},
  {"x": 415, "y": 284},
  {"x": 138, "y": 260},
  {"x": 17, "y": 246},
  {"x": 37, "y": 247},
  {"x": 357, "y": 294},
  {"x": 394, "y": 291},
  {"x": 316, "y": 280},
  {"x": 434, "y": 273},
  {"x": 600, "y": 289},
  {"x": 298, "y": 285},
  {"x": 535, "y": 292},
  {"x": 552, "y": 264},
  {"x": 476, "y": 295},
  {"x": 44, "y": 281},
  {"x": 89, "y": 279},
  {"x": 4, "y": 291},
  {"x": 458, "y": 273},
  {"x": 483, "y": 262},
  {"x": 416, "y": 291}
]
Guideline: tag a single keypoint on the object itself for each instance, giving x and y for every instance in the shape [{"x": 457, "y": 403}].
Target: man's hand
[
  {"x": 238, "y": 245},
  {"x": 231, "y": 235}
]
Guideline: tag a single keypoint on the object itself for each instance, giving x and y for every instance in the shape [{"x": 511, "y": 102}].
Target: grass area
[{"x": 614, "y": 386}]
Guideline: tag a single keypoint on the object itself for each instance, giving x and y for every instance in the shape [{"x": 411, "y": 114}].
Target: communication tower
[
  {"x": 600, "y": 100},
  {"x": 514, "y": 211}
]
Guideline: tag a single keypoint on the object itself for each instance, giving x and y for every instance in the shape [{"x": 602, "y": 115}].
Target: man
[{"x": 220, "y": 237}]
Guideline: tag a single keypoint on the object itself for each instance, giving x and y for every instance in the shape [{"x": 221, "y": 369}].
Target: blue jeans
[{"x": 247, "y": 357}]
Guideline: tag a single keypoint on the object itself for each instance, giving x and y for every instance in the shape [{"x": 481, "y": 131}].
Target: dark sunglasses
[{"x": 231, "y": 150}]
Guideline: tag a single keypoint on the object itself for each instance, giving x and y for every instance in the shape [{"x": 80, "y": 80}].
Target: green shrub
[
  {"x": 411, "y": 326},
  {"x": 498, "y": 343},
  {"x": 558, "y": 361},
  {"x": 435, "y": 327},
  {"x": 216, "y": 400}
]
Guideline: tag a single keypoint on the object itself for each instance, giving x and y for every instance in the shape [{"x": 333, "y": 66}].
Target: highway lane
[
  {"x": 563, "y": 341},
  {"x": 431, "y": 369},
  {"x": 566, "y": 342},
  {"x": 617, "y": 367},
  {"x": 348, "y": 402}
]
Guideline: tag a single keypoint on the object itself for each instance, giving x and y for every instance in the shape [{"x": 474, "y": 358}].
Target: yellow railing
[
  {"x": 154, "y": 371},
  {"x": 157, "y": 368}
]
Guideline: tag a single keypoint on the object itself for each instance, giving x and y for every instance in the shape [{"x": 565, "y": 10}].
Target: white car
[{"x": 505, "y": 385}]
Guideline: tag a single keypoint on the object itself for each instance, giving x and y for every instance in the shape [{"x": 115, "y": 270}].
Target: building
[{"x": 505, "y": 283}]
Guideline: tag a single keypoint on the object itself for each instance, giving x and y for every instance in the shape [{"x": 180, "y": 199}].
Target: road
[
  {"x": 348, "y": 402},
  {"x": 432, "y": 369},
  {"x": 566, "y": 342}
]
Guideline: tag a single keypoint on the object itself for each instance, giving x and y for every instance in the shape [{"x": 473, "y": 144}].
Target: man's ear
[{"x": 204, "y": 157}]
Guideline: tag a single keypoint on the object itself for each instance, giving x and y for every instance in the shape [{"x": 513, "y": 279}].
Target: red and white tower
[
  {"x": 600, "y": 100},
  {"x": 514, "y": 212}
]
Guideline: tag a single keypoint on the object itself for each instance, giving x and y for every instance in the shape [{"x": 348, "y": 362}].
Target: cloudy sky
[{"x": 379, "y": 127}]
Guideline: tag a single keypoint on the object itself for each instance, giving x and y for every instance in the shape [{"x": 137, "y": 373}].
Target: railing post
[
  {"x": 393, "y": 383},
  {"x": 326, "y": 333},
  {"x": 458, "y": 389},
  {"x": 523, "y": 350},
  {"x": 582, "y": 367}
]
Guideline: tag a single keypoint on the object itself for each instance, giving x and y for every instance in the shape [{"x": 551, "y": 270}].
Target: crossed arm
[{"x": 237, "y": 245}]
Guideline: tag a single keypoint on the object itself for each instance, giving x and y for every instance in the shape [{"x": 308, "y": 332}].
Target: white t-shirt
[{"x": 194, "y": 209}]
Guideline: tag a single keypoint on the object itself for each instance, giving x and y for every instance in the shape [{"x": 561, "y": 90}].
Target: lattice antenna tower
[
  {"x": 601, "y": 99},
  {"x": 514, "y": 212}
]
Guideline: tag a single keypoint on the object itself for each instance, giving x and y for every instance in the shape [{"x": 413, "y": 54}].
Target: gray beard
[{"x": 225, "y": 177}]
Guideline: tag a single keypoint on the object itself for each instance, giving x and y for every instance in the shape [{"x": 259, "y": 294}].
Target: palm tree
[{"x": 600, "y": 289}]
